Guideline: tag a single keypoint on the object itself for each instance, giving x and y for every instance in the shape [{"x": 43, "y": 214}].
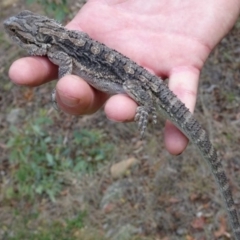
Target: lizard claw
[
  {"x": 54, "y": 102},
  {"x": 154, "y": 115}
]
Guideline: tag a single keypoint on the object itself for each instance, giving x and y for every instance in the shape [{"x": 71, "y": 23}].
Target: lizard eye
[{"x": 13, "y": 29}]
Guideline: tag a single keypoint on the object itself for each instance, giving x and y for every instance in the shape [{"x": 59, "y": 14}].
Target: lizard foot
[{"x": 141, "y": 117}]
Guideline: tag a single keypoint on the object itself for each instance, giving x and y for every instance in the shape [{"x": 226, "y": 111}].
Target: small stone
[
  {"x": 120, "y": 169},
  {"x": 125, "y": 232},
  {"x": 114, "y": 193},
  {"x": 181, "y": 231},
  {"x": 9, "y": 3},
  {"x": 14, "y": 115}
]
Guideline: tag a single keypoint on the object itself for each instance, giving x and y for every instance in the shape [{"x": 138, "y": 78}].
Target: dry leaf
[
  {"x": 189, "y": 237},
  {"x": 174, "y": 200},
  {"x": 198, "y": 223},
  {"x": 222, "y": 229}
]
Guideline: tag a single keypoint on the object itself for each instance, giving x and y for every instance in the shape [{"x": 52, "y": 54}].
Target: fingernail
[{"x": 68, "y": 101}]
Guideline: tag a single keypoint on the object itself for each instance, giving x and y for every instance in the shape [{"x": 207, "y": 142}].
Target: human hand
[{"x": 171, "y": 39}]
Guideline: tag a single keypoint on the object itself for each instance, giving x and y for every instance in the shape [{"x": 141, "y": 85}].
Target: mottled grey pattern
[{"x": 111, "y": 72}]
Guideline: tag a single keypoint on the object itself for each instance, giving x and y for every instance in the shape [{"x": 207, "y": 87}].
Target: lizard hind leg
[{"x": 145, "y": 101}]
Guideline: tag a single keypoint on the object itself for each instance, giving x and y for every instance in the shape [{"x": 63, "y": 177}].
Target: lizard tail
[{"x": 180, "y": 115}]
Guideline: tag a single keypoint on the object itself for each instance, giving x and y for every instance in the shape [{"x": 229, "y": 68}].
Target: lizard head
[{"x": 31, "y": 31}]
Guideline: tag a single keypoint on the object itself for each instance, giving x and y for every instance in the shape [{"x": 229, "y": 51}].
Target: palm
[
  {"x": 160, "y": 35},
  {"x": 168, "y": 37}
]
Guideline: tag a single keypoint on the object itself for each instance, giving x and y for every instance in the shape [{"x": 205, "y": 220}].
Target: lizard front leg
[
  {"x": 65, "y": 67},
  {"x": 146, "y": 104}
]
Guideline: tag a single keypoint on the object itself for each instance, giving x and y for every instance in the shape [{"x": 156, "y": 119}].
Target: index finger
[{"x": 32, "y": 71}]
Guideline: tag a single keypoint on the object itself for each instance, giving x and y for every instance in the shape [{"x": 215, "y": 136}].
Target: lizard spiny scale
[{"x": 111, "y": 72}]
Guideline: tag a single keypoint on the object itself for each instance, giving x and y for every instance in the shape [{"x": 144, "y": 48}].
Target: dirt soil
[{"x": 163, "y": 196}]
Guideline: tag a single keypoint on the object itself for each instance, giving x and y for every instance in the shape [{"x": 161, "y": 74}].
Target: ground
[{"x": 58, "y": 173}]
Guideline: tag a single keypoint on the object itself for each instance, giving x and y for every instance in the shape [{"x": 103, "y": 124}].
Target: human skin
[{"x": 170, "y": 38}]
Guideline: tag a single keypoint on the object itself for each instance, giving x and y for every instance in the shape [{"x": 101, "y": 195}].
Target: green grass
[
  {"x": 30, "y": 228},
  {"x": 58, "y": 9},
  {"x": 39, "y": 156},
  {"x": 49, "y": 231}
]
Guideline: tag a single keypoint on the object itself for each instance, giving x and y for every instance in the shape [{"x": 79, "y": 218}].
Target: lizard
[{"x": 111, "y": 72}]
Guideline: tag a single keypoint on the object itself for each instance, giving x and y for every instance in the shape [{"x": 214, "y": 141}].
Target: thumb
[{"x": 183, "y": 81}]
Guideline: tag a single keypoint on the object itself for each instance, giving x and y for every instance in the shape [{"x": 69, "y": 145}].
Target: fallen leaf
[
  {"x": 174, "y": 200},
  {"x": 28, "y": 94},
  {"x": 222, "y": 231},
  {"x": 194, "y": 197},
  {"x": 198, "y": 223},
  {"x": 109, "y": 207},
  {"x": 189, "y": 237}
]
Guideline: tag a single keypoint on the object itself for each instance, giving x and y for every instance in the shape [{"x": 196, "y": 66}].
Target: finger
[
  {"x": 120, "y": 108},
  {"x": 184, "y": 83},
  {"x": 32, "y": 71},
  {"x": 75, "y": 96}
]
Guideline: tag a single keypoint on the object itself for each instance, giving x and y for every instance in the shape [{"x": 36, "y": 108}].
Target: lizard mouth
[
  {"x": 13, "y": 30},
  {"x": 19, "y": 37}
]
